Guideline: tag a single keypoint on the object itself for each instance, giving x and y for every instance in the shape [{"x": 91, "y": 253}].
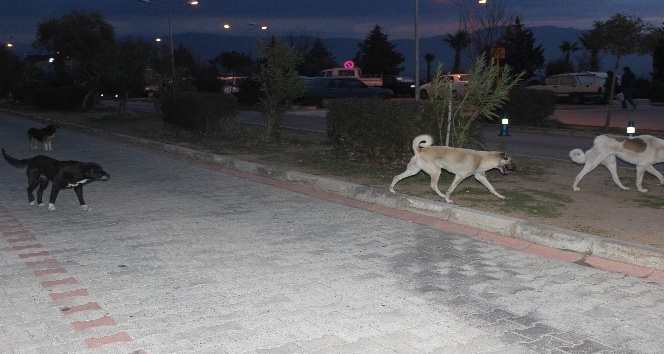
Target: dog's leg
[
  {"x": 591, "y": 163},
  {"x": 482, "y": 178},
  {"x": 653, "y": 171},
  {"x": 612, "y": 166},
  {"x": 54, "y": 195},
  {"x": 411, "y": 170},
  {"x": 457, "y": 179},
  {"x": 79, "y": 194},
  {"x": 31, "y": 187},
  {"x": 435, "y": 176},
  {"x": 43, "y": 183},
  {"x": 640, "y": 171}
]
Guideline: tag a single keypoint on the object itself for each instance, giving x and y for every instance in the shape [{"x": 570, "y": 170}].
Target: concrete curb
[{"x": 566, "y": 240}]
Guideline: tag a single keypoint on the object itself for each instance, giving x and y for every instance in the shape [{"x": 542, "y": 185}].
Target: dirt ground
[{"x": 540, "y": 190}]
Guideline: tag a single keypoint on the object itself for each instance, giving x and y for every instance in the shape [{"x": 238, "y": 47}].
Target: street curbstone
[
  {"x": 554, "y": 237},
  {"x": 484, "y": 220},
  {"x": 627, "y": 252}
]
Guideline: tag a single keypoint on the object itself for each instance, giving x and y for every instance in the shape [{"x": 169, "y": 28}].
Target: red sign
[{"x": 348, "y": 64}]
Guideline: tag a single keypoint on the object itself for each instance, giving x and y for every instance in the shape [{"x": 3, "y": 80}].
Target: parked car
[
  {"x": 352, "y": 72},
  {"x": 400, "y": 85},
  {"x": 231, "y": 84},
  {"x": 459, "y": 85},
  {"x": 576, "y": 87},
  {"x": 319, "y": 90}
]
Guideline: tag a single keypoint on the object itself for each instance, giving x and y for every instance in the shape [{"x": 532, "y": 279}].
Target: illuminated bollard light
[
  {"x": 631, "y": 129},
  {"x": 505, "y": 130}
]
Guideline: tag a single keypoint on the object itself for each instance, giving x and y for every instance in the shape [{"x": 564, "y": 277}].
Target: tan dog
[
  {"x": 463, "y": 163},
  {"x": 643, "y": 151}
]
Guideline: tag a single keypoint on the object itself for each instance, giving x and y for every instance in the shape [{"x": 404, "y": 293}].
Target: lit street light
[
  {"x": 170, "y": 30},
  {"x": 262, "y": 27}
]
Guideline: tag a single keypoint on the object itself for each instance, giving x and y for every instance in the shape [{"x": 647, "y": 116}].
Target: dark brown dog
[
  {"x": 45, "y": 135},
  {"x": 64, "y": 174}
]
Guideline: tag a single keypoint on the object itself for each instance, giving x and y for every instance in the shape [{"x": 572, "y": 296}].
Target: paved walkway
[
  {"x": 647, "y": 118},
  {"x": 180, "y": 256}
]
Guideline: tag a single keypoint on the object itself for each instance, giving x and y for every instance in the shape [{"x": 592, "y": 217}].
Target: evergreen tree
[
  {"x": 318, "y": 58},
  {"x": 280, "y": 84},
  {"x": 521, "y": 52},
  {"x": 622, "y": 35},
  {"x": 377, "y": 55},
  {"x": 234, "y": 63},
  {"x": 658, "y": 56},
  {"x": 82, "y": 44}
]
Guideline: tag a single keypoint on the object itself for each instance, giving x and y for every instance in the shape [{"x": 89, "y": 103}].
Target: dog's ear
[{"x": 504, "y": 156}]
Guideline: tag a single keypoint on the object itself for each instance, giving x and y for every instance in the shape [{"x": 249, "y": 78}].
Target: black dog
[
  {"x": 63, "y": 174},
  {"x": 45, "y": 135}
]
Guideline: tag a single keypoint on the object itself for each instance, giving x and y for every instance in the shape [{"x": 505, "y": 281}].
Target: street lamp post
[{"x": 170, "y": 29}]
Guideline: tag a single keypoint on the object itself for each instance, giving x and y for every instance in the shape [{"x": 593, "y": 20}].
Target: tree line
[{"x": 85, "y": 53}]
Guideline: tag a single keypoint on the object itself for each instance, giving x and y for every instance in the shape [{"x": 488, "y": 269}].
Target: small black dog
[
  {"x": 45, "y": 135},
  {"x": 63, "y": 174}
]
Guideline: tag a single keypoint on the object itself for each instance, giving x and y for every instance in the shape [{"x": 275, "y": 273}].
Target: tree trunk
[
  {"x": 84, "y": 105},
  {"x": 122, "y": 104},
  {"x": 607, "y": 122}
]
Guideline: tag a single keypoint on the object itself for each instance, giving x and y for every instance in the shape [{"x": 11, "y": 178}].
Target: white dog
[
  {"x": 643, "y": 151},
  {"x": 463, "y": 163}
]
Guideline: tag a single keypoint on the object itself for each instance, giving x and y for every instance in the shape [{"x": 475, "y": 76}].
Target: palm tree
[
  {"x": 458, "y": 41},
  {"x": 592, "y": 41},
  {"x": 429, "y": 58},
  {"x": 568, "y": 48}
]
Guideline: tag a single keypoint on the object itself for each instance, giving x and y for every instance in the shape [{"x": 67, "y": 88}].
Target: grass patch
[
  {"x": 535, "y": 203},
  {"x": 650, "y": 201}
]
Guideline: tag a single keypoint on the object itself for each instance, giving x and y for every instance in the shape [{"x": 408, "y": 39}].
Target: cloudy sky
[{"x": 323, "y": 18}]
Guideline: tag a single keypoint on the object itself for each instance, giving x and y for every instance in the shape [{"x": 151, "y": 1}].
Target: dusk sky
[{"x": 339, "y": 18}]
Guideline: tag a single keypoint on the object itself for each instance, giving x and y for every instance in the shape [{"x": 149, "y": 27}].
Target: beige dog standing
[
  {"x": 643, "y": 151},
  {"x": 463, "y": 163}
]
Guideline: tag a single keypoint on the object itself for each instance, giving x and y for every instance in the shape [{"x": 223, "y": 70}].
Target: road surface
[{"x": 178, "y": 256}]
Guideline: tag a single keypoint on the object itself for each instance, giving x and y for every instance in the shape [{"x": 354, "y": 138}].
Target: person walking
[{"x": 627, "y": 84}]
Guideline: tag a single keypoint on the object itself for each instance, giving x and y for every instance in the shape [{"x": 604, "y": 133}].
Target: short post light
[
  {"x": 505, "y": 129},
  {"x": 631, "y": 129}
]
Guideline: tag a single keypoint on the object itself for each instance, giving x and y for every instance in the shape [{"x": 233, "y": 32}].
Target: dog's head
[
  {"x": 505, "y": 166},
  {"x": 94, "y": 171},
  {"x": 53, "y": 127}
]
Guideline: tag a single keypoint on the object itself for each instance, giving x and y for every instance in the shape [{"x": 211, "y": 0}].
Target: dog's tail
[
  {"x": 577, "y": 156},
  {"x": 421, "y": 141},
  {"x": 14, "y": 162}
]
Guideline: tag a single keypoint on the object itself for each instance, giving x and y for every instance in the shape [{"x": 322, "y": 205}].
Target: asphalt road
[{"x": 177, "y": 256}]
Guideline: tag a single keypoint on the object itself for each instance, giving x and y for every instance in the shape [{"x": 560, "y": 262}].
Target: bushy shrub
[
  {"x": 67, "y": 98},
  {"x": 250, "y": 92},
  {"x": 530, "y": 107},
  {"x": 375, "y": 129},
  {"x": 210, "y": 113},
  {"x": 655, "y": 91}
]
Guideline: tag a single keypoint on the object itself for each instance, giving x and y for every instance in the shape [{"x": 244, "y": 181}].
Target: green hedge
[
  {"x": 530, "y": 107},
  {"x": 210, "y": 113},
  {"x": 375, "y": 129},
  {"x": 67, "y": 98}
]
